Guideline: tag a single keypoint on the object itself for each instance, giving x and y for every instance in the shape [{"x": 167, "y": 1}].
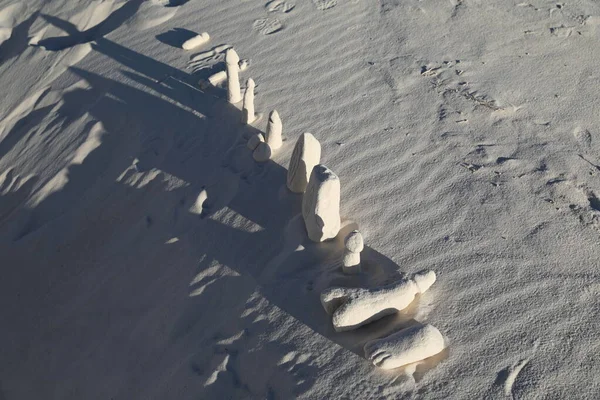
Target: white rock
[
  {"x": 197, "y": 207},
  {"x": 217, "y": 78},
  {"x": 255, "y": 140},
  {"x": 307, "y": 154},
  {"x": 273, "y": 134},
  {"x": 351, "y": 262},
  {"x": 321, "y": 204},
  {"x": 248, "y": 115},
  {"x": 196, "y": 41},
  {"x": 405, "y": 347},
  {"x": 234, "y": 94},
  {"x": 262, "y": 153},
  {"x": 354, "y": 242},
  {"x": 243, "y": 64},
  {"x": 354, "y": 307},
  {"x": 351, "y": 258}
]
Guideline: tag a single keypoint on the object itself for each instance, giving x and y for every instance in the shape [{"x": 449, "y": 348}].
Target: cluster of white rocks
[{"x": 350, "y": 308}]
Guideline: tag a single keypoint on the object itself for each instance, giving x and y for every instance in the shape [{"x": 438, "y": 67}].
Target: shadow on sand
[
  {"x": 75, "y": 37},
  {"x": 164, "y": 122}
]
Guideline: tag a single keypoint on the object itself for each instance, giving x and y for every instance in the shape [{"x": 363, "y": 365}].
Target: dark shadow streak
[
  {"x": 75, "y": 37},
  {"x": 18, "y": 41},
  {"x": 175, "y": 37}
]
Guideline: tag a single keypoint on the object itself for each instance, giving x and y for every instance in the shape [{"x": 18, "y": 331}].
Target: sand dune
[{"x": 146, "y": 255}]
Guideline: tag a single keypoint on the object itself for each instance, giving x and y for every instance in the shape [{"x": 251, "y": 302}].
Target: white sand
[{"x": 466, "y": 137}]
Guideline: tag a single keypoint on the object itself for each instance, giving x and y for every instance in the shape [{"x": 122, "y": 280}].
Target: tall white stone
[
  {"x": 321, "y": 204},
  {"x": 307, "y": 154},
  {"x": 248, "y": 115},
  {"x": 274, "y": 128},
  {"x": 234, "y": 94}
]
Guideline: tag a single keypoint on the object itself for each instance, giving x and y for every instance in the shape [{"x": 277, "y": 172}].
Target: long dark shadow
[
  {"x": 75, "y": 37},
  {"x": 167, "y": 123},
  {"x": 18, "y": 41}
]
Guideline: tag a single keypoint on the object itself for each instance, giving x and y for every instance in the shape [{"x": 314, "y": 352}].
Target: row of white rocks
[{"x": 350, "y": 308}]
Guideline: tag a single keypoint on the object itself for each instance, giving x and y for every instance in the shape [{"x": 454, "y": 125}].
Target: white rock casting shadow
[
  {"x": 321, "y": 204},
  {"x": 217, "y": 78},
  {"x": 248, "y": 115},
  {"x": 405, "y": 347},
  {"x": 196, "y": 41},
  {"x": 198, "y": 206},
  {"x": 273, "y": 134},
  {"x": 354, "y": 307},
  {"x": 306, "y": 154},
  {"x": 232, "y": 60}
]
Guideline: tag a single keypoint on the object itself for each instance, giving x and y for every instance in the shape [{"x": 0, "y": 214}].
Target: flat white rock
[{"x": 405, "y": 347}]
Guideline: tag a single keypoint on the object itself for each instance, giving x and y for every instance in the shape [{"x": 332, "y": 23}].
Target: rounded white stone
[
  {"x": 262, "y": 153},
  {"x": 354, "y": 242},
  {"x": 255, "y": 140},
  {"x": 196, "y": 41},
  {"x": 231, "y": 57}
]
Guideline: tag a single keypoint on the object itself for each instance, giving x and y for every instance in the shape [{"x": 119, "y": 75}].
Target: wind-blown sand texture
[{"x": 145, "y": 255}]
